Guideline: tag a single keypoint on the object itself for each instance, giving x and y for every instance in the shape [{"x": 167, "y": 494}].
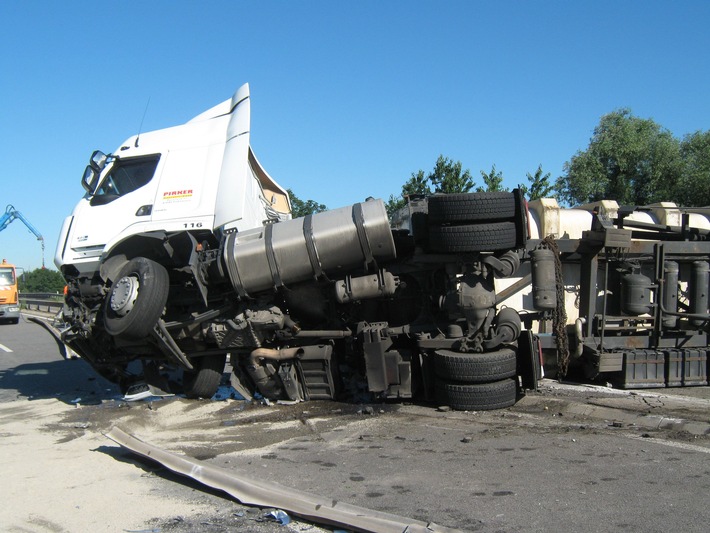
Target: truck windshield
[
  {"x": 6, "y": 277},
  {"x": 127, "y": 175}
]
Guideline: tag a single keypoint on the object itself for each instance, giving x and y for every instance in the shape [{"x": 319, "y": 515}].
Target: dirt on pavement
[{"x": 67, "y": 476}]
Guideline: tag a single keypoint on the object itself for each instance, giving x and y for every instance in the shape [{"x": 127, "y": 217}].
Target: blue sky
[{"x": 348, "y": 98}]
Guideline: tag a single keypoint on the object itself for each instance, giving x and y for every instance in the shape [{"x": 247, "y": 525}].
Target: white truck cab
[{"x": 198, "y": 176}]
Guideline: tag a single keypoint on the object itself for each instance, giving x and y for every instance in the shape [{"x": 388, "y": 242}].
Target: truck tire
[
  {"x": 473, "y": 237},
  {"x": 204, "y": 380},
  {"x": 136, "y": 299},
  {"x": 475, "y": 367},
  {"x": 456, "y": 208},
  {"x": 478, "y": 396}
]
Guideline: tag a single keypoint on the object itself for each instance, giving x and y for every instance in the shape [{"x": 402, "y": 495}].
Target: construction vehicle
[
  {"x": 183, "y": 253},
  {"x": 9, "y": 299},
  {"x": 12, "y": 214}
]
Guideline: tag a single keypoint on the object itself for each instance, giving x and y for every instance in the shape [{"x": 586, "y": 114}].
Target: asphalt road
[
  {"x": 32, "y": 366},
  {"x": 566, "y": 458}
]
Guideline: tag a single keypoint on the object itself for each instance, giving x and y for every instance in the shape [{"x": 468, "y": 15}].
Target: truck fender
[{"x": 149, "y": 245}]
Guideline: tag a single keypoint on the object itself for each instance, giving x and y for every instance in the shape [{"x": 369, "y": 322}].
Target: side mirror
[
  {"x": 90, "y": 179},
  {"x": 98, "y": 161}
]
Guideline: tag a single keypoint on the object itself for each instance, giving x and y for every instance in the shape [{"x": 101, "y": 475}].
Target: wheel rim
[
  {"x": 124, "y": 295},
  {"x": 137, "y": 299}
]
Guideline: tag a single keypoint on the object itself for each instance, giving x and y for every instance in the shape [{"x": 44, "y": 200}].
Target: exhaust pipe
[{"x": 258, "y": 372}]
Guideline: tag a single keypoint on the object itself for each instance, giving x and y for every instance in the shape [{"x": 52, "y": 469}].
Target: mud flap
[{"x": 529, "y": 364}]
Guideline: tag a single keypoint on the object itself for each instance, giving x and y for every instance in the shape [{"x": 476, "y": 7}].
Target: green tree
[
  {"x": 41, "y": 280},
  {"x": 694, "y": 186},
  {"x": 493, "y": 181},
  {"x": 301, "y": 208},
  {"x": 540, "y": 186},
  {"x": 629, "y": 159},
  {"x": 447, "y": 176}
]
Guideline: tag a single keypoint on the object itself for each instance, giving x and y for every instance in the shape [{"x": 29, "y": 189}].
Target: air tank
[
  {"x": 635, "y": 294},
  {"x": 699, "y": 285},
  {"x": 670, "y": 293},
  {"x": 544, "y": 282}
]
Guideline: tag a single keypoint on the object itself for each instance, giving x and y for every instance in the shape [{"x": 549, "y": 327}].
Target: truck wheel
[
  {"x": 204, "y": 380},
  {"x": 473, "y": 237},
  {"x": 488, "y": 206},
  {"x": 475, "y": 367},
  {"x": 477, "y": 397},
  {"x": 136, "y": 299}
]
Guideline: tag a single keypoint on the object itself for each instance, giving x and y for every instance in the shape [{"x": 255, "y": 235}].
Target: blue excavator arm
[{"x": 11, "y": 214}]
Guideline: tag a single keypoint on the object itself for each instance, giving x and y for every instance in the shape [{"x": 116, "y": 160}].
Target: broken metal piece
[{"x": 266, "y": 494}]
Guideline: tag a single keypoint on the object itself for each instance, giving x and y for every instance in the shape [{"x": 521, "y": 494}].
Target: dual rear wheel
[
  {"x": 476, "y": 381},
  {"x": 472, "y": 222},
  {"x": 462, "y": 224}
]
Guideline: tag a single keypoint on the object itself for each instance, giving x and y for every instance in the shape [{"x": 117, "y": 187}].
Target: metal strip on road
[
  {"x": 5, "y": 348},
  {"x": 252, "y": 491}
]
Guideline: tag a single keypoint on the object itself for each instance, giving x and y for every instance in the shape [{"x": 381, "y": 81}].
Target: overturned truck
[{"x": 183, "y": 254}]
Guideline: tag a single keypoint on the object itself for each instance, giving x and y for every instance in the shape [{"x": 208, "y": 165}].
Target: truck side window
[{"x": 127, "y": 175}]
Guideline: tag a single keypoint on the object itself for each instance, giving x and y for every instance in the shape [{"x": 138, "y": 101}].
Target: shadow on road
[{"x": 72, "y": 381}]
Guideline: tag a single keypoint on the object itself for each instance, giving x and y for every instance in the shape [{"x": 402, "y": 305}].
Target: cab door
[{"x": 123, "y": 198}]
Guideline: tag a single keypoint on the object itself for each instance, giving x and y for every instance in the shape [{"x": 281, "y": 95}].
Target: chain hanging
[{"x": 559, "y": 314}]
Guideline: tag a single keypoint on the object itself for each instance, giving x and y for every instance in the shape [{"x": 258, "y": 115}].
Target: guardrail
[{"x": 43, "y": 302}]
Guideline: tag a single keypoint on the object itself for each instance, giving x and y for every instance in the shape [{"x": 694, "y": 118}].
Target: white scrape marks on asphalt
[{"x": 673, "y": 444}]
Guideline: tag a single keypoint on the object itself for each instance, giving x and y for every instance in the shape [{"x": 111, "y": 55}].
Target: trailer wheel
[
  {"x": 488, "y": 206},
  {"x": 475, "y": 367},
  {"x": 478, "y": 396},
  {"x": 136, "y": 299},
  {"x": 204, "y": 380},
  {"x": 473, "y": 237}
]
